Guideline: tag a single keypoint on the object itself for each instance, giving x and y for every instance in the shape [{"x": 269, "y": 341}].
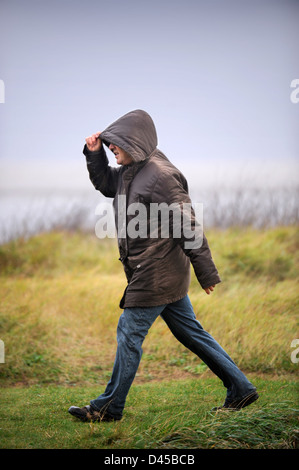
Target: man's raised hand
[{"x": 93, "y": 142}]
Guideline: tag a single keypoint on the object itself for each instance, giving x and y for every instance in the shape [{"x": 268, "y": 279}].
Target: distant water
[{"x": 25, "y": 213}]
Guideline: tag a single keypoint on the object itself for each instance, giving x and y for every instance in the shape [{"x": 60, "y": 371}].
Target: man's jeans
[{"x": 133, "y": 326}]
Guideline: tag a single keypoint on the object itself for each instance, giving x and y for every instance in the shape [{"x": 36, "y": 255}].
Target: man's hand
[
  {"x": 209, "y": 289},
  {"x": 93, "y": 142}
]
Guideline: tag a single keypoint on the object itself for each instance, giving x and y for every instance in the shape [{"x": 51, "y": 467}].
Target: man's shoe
[
  {"x": 238, "y": 404},
  {"x": 87, "y": 413}
]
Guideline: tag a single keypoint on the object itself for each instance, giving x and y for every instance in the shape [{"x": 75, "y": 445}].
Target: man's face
[{"x": 122, "y": 157}]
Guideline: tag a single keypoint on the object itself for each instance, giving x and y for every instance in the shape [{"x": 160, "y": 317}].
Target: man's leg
[
  {"x": 133, "y": 326},
  {"x": 181, "y": 320}
]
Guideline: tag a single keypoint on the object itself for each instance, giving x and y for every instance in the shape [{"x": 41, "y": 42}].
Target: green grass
[
  {"x": 58, "y": 317},
  {"x": 169, "y": 415}
]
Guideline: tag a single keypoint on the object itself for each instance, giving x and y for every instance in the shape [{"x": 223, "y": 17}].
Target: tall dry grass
[{"x": 59, "y": 308}]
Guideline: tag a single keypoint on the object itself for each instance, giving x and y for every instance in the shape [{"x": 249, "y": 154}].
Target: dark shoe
[
  {"x": 87, "y": 413},
  {"x": 236, "y": 405}
]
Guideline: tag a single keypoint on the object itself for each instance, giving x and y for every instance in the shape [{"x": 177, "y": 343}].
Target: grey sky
[{"x": 214, "y": 75}]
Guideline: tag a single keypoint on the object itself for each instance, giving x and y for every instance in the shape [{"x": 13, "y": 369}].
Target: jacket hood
[{"x": 134, "y": 132}]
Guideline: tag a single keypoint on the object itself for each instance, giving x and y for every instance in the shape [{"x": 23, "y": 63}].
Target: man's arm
[
  {"x": 103, "y": 177},
  {"x": 173, "y": 190}
]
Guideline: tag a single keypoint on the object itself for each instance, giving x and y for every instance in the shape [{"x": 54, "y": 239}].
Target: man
[{"x": 157, "y": 267}]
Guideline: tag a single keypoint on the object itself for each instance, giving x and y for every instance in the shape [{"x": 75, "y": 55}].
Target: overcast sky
[{"x": 214, "y": 75}]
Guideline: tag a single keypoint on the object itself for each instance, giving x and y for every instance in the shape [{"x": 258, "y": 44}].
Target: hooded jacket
[{"x": 157, "y": 267}]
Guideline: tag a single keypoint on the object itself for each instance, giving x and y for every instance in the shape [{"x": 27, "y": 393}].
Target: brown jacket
[{"x": 157, "y": 268}]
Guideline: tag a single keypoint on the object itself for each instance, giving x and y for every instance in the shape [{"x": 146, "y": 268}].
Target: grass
[
  {"x": 168, "y": 415},
  {"x": 58, "y": 318}
]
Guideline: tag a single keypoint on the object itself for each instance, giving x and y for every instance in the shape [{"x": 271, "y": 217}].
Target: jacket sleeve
[
  {"x": 103, "y": 177},
  {"x": 172, "y": 188}
]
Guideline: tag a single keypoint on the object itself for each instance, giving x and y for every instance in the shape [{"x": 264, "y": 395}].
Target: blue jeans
[{"x": 179, "y": 316}]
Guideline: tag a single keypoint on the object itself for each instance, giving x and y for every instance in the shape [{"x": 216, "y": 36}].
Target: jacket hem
[{"x": 154, "y": 304}]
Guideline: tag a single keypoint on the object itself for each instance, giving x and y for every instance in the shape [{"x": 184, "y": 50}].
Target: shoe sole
[
  {"x": 238, "y": 405},
  {"x": 248, "y": 400}
]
